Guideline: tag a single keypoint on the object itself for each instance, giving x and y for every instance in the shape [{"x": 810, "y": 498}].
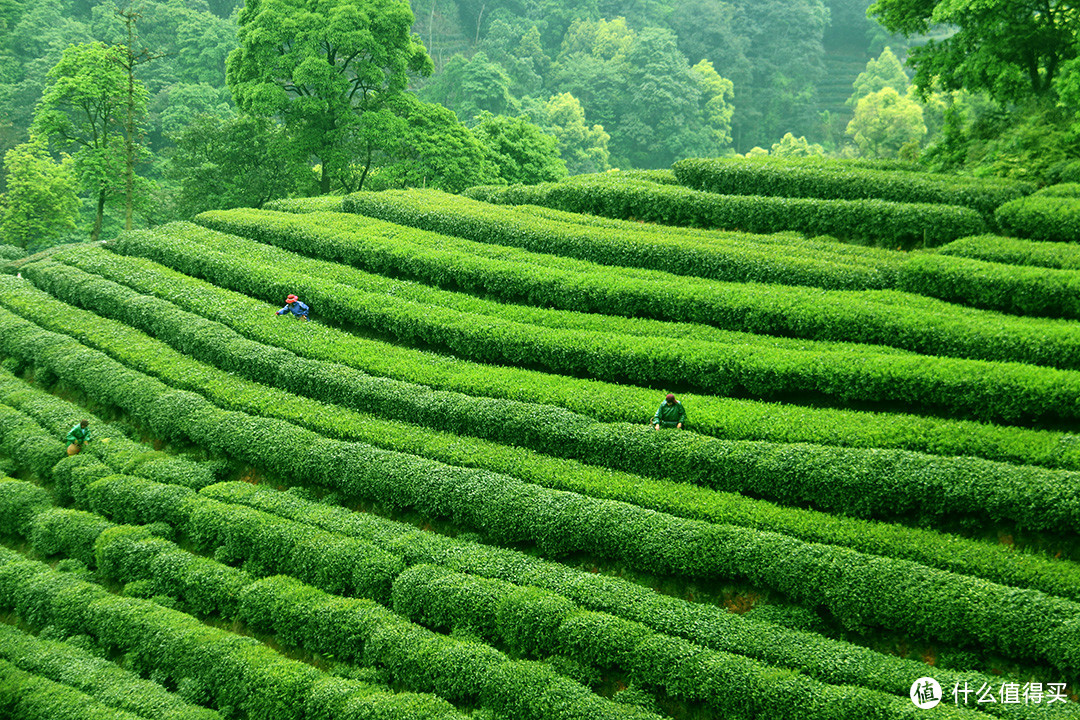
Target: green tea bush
[
  {"x": 704, "y": 624},
  {"x": 722, "y": 417},
  {"x": 876, "y": 222},
  {"x": 832, "y": 180},
  {"x": 238, "y": 674},
  {"x": 103, "y": 680},
  {"x": 1014, "y": 251},
  {"x": 1039, "y": 217},
  {"x": 937, "y": 384}
]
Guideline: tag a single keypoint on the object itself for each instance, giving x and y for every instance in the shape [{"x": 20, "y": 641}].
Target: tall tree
[
  {"x": 83, "y": 108},
  {"x": 885, "y": 122},
  {"x": 522, "y": 151},
  {"x": 885, "y": 71},
  {"x": 583, "y": 148},
  {"x": 226, "y": 162},
  {"x": 321, "y": 66},
  {"x": 41, "y": 201},
  {"x": 134, "y": 106},
  {"x": 1010, "y": 48}
]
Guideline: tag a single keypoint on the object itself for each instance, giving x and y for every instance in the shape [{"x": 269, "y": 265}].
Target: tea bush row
[
  {"x": 875, "y": 222},
  {"x": 237, "y": 674},
  {"x": 100, "y": 679},
  {"x": 985, "y": 286},
  {"x": 890, "y": 593},
  {"x": 28, "y": 696},
  {"x": 352, "y": 630},
  {"x": 880, "y": 319},
  {"x": 705, "y": 624},
  {"x": 569, "y": 434},
  {"x": 1015, "y": 251},
  {"x": 1002, "y": 391},
  {"x": 1052, "y": 219},
  {"x": 290, "y": 610},
  {"x": 109, "y": 445},
  {"x": 725, "y": 256},
  {"x": 831, "y": 180},
  {"x": 300, "y": 612},
  {"x": 717, "y": 416},
  {"x": 920, "y": 485}
]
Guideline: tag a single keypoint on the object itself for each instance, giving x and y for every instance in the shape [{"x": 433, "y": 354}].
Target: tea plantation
[{"x": 442, "y": 496}]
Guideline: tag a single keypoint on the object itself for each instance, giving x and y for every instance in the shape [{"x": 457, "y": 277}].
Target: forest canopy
[{"x": 351, "y": 94}]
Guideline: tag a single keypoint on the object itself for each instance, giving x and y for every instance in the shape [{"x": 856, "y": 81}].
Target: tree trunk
[
  {"x": 324, "y": 181},
  {"x": 95, "y": 234}
]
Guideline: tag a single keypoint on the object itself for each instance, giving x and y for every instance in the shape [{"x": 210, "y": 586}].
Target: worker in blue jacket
[
  {"x": 670, "y": 414},
  {"x": 293, "y": 305}
]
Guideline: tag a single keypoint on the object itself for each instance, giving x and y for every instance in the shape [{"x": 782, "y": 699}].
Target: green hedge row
[
  {"x": 353, "y": 630},
  {"x": 11, "y": 252},
  {"x": 22, "y": 440},
  {"x": 1052, "y": 219},
  {"x": 109, "y": 446},
  {"x": 718, "y": 416},
  {"x": 551, "y": 430},
  {"x": 266, "y": 543},
  {"x": 29, "y": 696},
  {"x": 876, "y": 222},
  {"x": 569, "y": 294},
  {"x": 707, "y": 625},
  {"x": 356, "y": 630},
  {"x": 100, "y": 679},
  {"x": 832, "y": 180},
  {"x": 990, "y": 287},
  {"x": 1014, "y": 251},
  {"x": 994, "y": 285},
  {"x": 239, "y": 675},
  {"x": 1004, "y": 391},
  {"x": 349, "y": 630},
  {"x": 532, "y": 622},
  {"x": 727, "y": 256},
  {"x": 1065, "y": 190},
  {"x": 875, "y": 591},
  {"x": 881, "y": 319}
]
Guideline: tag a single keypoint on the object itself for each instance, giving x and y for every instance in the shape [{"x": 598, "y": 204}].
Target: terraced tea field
[{"x": 442, "y": 496}]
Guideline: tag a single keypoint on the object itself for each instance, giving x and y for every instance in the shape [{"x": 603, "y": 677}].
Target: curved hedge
[
  {"x": 880, "y": 222},
  {"x": 725, "y": 256},
  {"x": 237, "y": 673},
  {"x": 546, "y": 429},
  {"x": 1002, "y": 391},
  {"x": 833, "y": 180},
  {"x": 101, "y": 679},
  {"x": 1039, "y": 217},
  {"x": 1015, "y": 251},
  {"x": 720, "y": 417}
]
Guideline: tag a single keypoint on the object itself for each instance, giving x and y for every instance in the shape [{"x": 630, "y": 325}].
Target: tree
[
  {"x": 523, "y": 153},
  {"x": 83, "y": 107},
  {"x": 227, "y": 162},
  {"x": 41, "y": 201},
  {"x": 431, "y": 148},
  {"x": 881, "y": 73},
  {"x": 1011, "y": 48},
  {"x": 321, "y": 66},
  {"x": 791, "y": 146},
  {"x": 584, "y": 149},
  {"x": 472, "y": 86},
  {"x": 885, "y": 122}
]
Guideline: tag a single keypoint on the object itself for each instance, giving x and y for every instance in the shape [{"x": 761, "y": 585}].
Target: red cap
[
  {"x": 670, "y": 397},
  {"x": 291, "y": 298}
]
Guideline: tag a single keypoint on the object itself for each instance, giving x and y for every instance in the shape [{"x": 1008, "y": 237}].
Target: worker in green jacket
[
  {"x": 78, "y": 436},
  {"x": 670, "y": 414}
]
